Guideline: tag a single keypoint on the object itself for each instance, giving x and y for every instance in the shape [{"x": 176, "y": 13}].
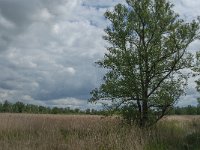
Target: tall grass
[
  {"x": 175, "y": 133},
  {"x": 63, "y": 132}
]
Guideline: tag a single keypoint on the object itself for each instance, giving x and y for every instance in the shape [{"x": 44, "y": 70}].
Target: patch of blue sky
[{"x": 101, "y": 4}]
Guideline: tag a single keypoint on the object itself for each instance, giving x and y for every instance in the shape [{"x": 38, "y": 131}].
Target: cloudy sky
[{"x": 48, "y": 49}]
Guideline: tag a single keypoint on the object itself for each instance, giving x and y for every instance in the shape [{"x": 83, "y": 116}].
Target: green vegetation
[
  {"x": 19, "y": 107},
  {"x": 176, "y": 135},
  {"x": 189, "y": 110},
  {"x": 147, "y": 50},
  {"x": 196, "y": 70}
]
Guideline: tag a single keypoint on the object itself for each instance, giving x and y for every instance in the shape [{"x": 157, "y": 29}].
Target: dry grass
[
  {"x": 182, "y": 118},
  {"x": 63, "y": 132},
  {"x": 59, "y": 132}
]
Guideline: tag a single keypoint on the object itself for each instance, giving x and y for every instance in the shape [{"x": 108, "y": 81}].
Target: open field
[{"x": 63, "y": 132}]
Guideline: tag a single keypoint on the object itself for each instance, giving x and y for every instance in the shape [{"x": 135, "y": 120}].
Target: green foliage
[
  {"x": 7, "y": 107},
  {"x": 147, "y": 49},
  {"x": 20, "y": 107},
  {"x": 129, "y": 114},
  {"x": 189, "y": 110},
  {"x": 196, "y": 69}
]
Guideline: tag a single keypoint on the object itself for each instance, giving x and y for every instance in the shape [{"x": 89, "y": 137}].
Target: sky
[{"x": 48, "y": 49}]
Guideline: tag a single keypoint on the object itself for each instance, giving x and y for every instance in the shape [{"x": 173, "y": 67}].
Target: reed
[{"x": 85, "y": 132}]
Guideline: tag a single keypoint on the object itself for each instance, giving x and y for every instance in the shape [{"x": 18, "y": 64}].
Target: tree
[
  {"x": 191, "y": 110},
  {"x": 18, "y": 107},
  {"x": 1, "y": 107},
  {"x": 87, "y": 111},
  {"x": 147, "y": 51},
  {"x": 196, "y": 69},
  {"x": 7, "y": 106}
]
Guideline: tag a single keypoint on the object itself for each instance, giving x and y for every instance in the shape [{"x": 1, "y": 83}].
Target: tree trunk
[
  {"x": 139, "y": 113},
  {"x": 144, "y": 118}
]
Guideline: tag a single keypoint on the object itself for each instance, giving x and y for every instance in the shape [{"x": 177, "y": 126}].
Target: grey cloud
[
  {"x": 48, "y": 49},
  {"x": 48, "y": 55},
  {"x": 188, "y": 100},
  {"x": 189, "y": 9}
]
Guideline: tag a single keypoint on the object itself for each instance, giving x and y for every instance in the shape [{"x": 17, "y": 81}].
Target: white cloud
[
  {"x": 71, "y": 70},
  {"x": 188, "y": 9},
  {"x": 45, "y": 14},
  {"x": 56, "y": 29},
  {"x": 42, "y": 14},
  {"x": 67, "y": 101},
  {"x": 48, "y": 50},
  {"x": 72, "y": 103}
]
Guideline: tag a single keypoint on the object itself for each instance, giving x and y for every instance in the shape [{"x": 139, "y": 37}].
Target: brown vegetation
[
  {"x": 63, "y": 132},
  {"x": 57, "y": 132}
]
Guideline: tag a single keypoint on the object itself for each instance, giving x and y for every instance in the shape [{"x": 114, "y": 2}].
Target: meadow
[{"x": 88, "y": 132}]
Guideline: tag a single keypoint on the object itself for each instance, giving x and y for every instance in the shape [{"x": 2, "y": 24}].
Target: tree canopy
[
  {"x": 196, "y": 69},
  {"x": 147, "y": 50}
]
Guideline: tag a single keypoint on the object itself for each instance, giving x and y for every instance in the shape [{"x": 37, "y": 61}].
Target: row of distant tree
[
  {"x": 189, "y": 110},
  {"x": 20, "y": 107}
]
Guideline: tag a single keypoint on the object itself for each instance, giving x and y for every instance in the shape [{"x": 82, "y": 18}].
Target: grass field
[{"x": 67, "y": 132}]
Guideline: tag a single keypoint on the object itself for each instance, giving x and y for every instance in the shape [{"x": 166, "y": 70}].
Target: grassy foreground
[{"x": 67, "y": 132}]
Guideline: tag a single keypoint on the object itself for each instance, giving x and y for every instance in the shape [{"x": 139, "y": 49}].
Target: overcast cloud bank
[{"x": 48, "y": 49}]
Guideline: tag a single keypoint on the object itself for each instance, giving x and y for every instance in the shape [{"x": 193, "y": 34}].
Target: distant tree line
[
  {"x": 20, "y": 107},
  {"x": 189, "y": 110}
]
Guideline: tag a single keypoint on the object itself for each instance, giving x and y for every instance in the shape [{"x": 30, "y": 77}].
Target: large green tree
[
  {"x": 196, "y": 70},
  {"x": 147, "y": 51}
]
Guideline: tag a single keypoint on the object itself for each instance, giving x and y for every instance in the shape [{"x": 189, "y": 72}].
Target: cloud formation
[{"x": 48, "y": 49}]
